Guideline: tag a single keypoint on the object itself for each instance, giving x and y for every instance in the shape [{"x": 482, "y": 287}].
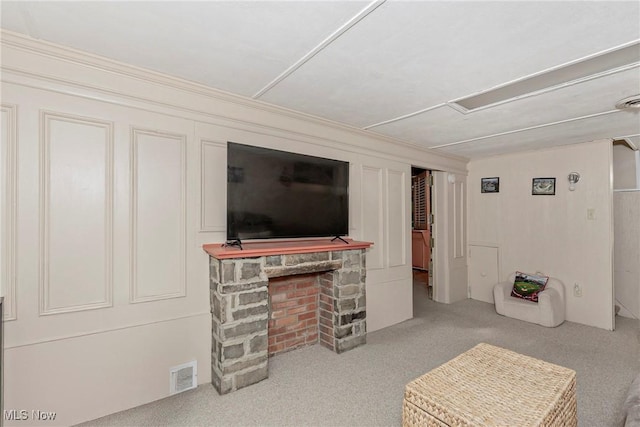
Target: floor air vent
[{"x": 183, "y": 377}]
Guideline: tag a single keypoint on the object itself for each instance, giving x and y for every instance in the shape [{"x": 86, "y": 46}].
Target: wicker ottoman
[{"x": 491, "y": 386}]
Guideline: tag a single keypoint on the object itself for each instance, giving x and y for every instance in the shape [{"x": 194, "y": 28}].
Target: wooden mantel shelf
[{"x": 258, "y": 249}]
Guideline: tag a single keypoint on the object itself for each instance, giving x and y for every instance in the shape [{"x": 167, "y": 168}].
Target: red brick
[
  {"x": 283, "y": 289},
  {"x": 326, "y": 339},
  {"x": 296, "y": 326},
  {"x": 326, "y": 298},
  {"x": 297, "y": 310},
  {"x": 325, "y": 330},
  {"x": 326, "y": 322},
  {"x": 313, "y": 283},
  {"x": 277, "y": 331},
  {"x": 297, "y": 293},
  {"x": 308, "y": 300},
  {"x": 326, "y": 307},
  {"x": 281, "y": 280},
  {"x": 285, "y": 321},
  {"x": 301, "y": 333},
  {"x": 294, "y": 342},
  {"x": 275, "y": 348},
  {"x": 299, "y": 305},
  {"x": 278, "y": 297},
  {"x": 326, "y": 284},
  {"x": 285, "y": 337},
  {"x": 308, "y": 315},
  {"x": 327, "y": 314},
  {"x": 283, "y": 304},
  {"x": 304, "y": 332},
  {"x": 276, "y": 314}
]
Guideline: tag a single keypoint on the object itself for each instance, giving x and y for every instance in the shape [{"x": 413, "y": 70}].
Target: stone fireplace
[{"x": 270, "y": 298}]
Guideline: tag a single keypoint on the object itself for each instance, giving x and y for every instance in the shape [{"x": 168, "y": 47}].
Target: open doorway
[{"x": 421, "y": 229}]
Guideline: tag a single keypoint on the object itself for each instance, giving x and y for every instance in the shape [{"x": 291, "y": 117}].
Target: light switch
[{"x": 591, "y": 213}]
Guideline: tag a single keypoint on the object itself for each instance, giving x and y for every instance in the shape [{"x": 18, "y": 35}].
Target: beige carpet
[{"x": 364, "y": 387}]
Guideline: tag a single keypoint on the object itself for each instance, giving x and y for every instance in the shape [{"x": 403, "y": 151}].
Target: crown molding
[{"x": 207, "y": 94}]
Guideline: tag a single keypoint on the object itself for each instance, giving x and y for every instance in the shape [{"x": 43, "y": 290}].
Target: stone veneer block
[
  {"x": 240, "y": 309},
  {"x": 296, "y": 259},
  {"x": 312, "y": 267}
]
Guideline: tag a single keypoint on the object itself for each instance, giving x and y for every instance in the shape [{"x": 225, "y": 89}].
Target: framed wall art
[
  {"x": 490, "y": 185},
  {"x": 543, "y": 187}
]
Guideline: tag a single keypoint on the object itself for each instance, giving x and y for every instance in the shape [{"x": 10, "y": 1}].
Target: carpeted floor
[{"x": 364, "y": 387}]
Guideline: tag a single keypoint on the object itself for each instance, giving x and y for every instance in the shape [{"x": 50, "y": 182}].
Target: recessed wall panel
[
  {"x": 157, "y": 215},
  {"x": 483, "y": 272},
  {"x": 459, "y": 215},
  {"x": 396, "y": 219},
  {"x": 76, "y": 213},
  {"x": 214, "y": 177},
  {"x": 8, "y": 145},
  {"x": 372, "y": 215}
]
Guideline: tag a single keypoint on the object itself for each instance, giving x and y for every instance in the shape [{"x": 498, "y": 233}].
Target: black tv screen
[{"x": 276, "y": 194}]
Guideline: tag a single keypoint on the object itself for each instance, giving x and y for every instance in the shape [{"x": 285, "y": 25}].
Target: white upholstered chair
[{"x": 548, "y": 311}]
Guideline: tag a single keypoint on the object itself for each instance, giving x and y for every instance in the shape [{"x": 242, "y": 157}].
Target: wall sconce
[{"x": 573, "y": 178}]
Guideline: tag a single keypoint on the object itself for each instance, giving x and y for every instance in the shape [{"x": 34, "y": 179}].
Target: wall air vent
[
  {"x": 579, "y": 70},
  {"x": 630, "y": 103},
  {"x": 183, "y": 377}
]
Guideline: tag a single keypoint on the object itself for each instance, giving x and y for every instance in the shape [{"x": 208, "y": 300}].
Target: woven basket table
[{"x": 491, "y": 386}]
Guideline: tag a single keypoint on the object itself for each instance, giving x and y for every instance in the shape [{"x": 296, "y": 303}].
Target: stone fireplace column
[
  {"x": 240, "y": 309},
  {"x": 239, "y": 314}
]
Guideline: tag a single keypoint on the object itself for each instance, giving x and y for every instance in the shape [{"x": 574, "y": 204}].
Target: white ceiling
[{"x": 392, "y": 67}]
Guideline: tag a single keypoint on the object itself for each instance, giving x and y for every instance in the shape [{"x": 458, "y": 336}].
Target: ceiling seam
[
  {"x": 406, "y": 116},
  {"x": 323, "y": 44},
  {"x": 526, "y": 129}
]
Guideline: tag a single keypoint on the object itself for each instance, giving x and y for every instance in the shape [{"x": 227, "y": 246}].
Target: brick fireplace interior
[{"x": 293, "y": 318}]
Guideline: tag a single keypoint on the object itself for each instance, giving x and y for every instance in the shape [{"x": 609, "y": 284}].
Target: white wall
[
  {"x": 550, "y": 234},
  {"x": 8, "y": 148},
  {"x": 626, "y": 167},
  {"x": 626, "y": 209},
  {"x": 120, "y": 178}
]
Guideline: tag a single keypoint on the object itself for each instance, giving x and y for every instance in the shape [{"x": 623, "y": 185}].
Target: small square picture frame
[
  {"x": 543, "y": 187},
  {"x": 490, "y": 185}
]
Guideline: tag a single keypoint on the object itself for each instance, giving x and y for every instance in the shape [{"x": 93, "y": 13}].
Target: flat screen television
[{"x": 276, "y": 194}]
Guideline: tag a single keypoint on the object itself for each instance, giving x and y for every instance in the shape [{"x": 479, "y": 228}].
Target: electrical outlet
[
  {"x": 577, "y": 290},
  {"x": 591, "y": 214}
]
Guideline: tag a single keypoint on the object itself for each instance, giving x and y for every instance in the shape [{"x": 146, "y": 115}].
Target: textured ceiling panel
[
  {"x": 590, "y": 129},
  {"x": 234, "y": 46},
  {"x": 408, "y": 56},
  {"x": 445, "y": 125}
]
